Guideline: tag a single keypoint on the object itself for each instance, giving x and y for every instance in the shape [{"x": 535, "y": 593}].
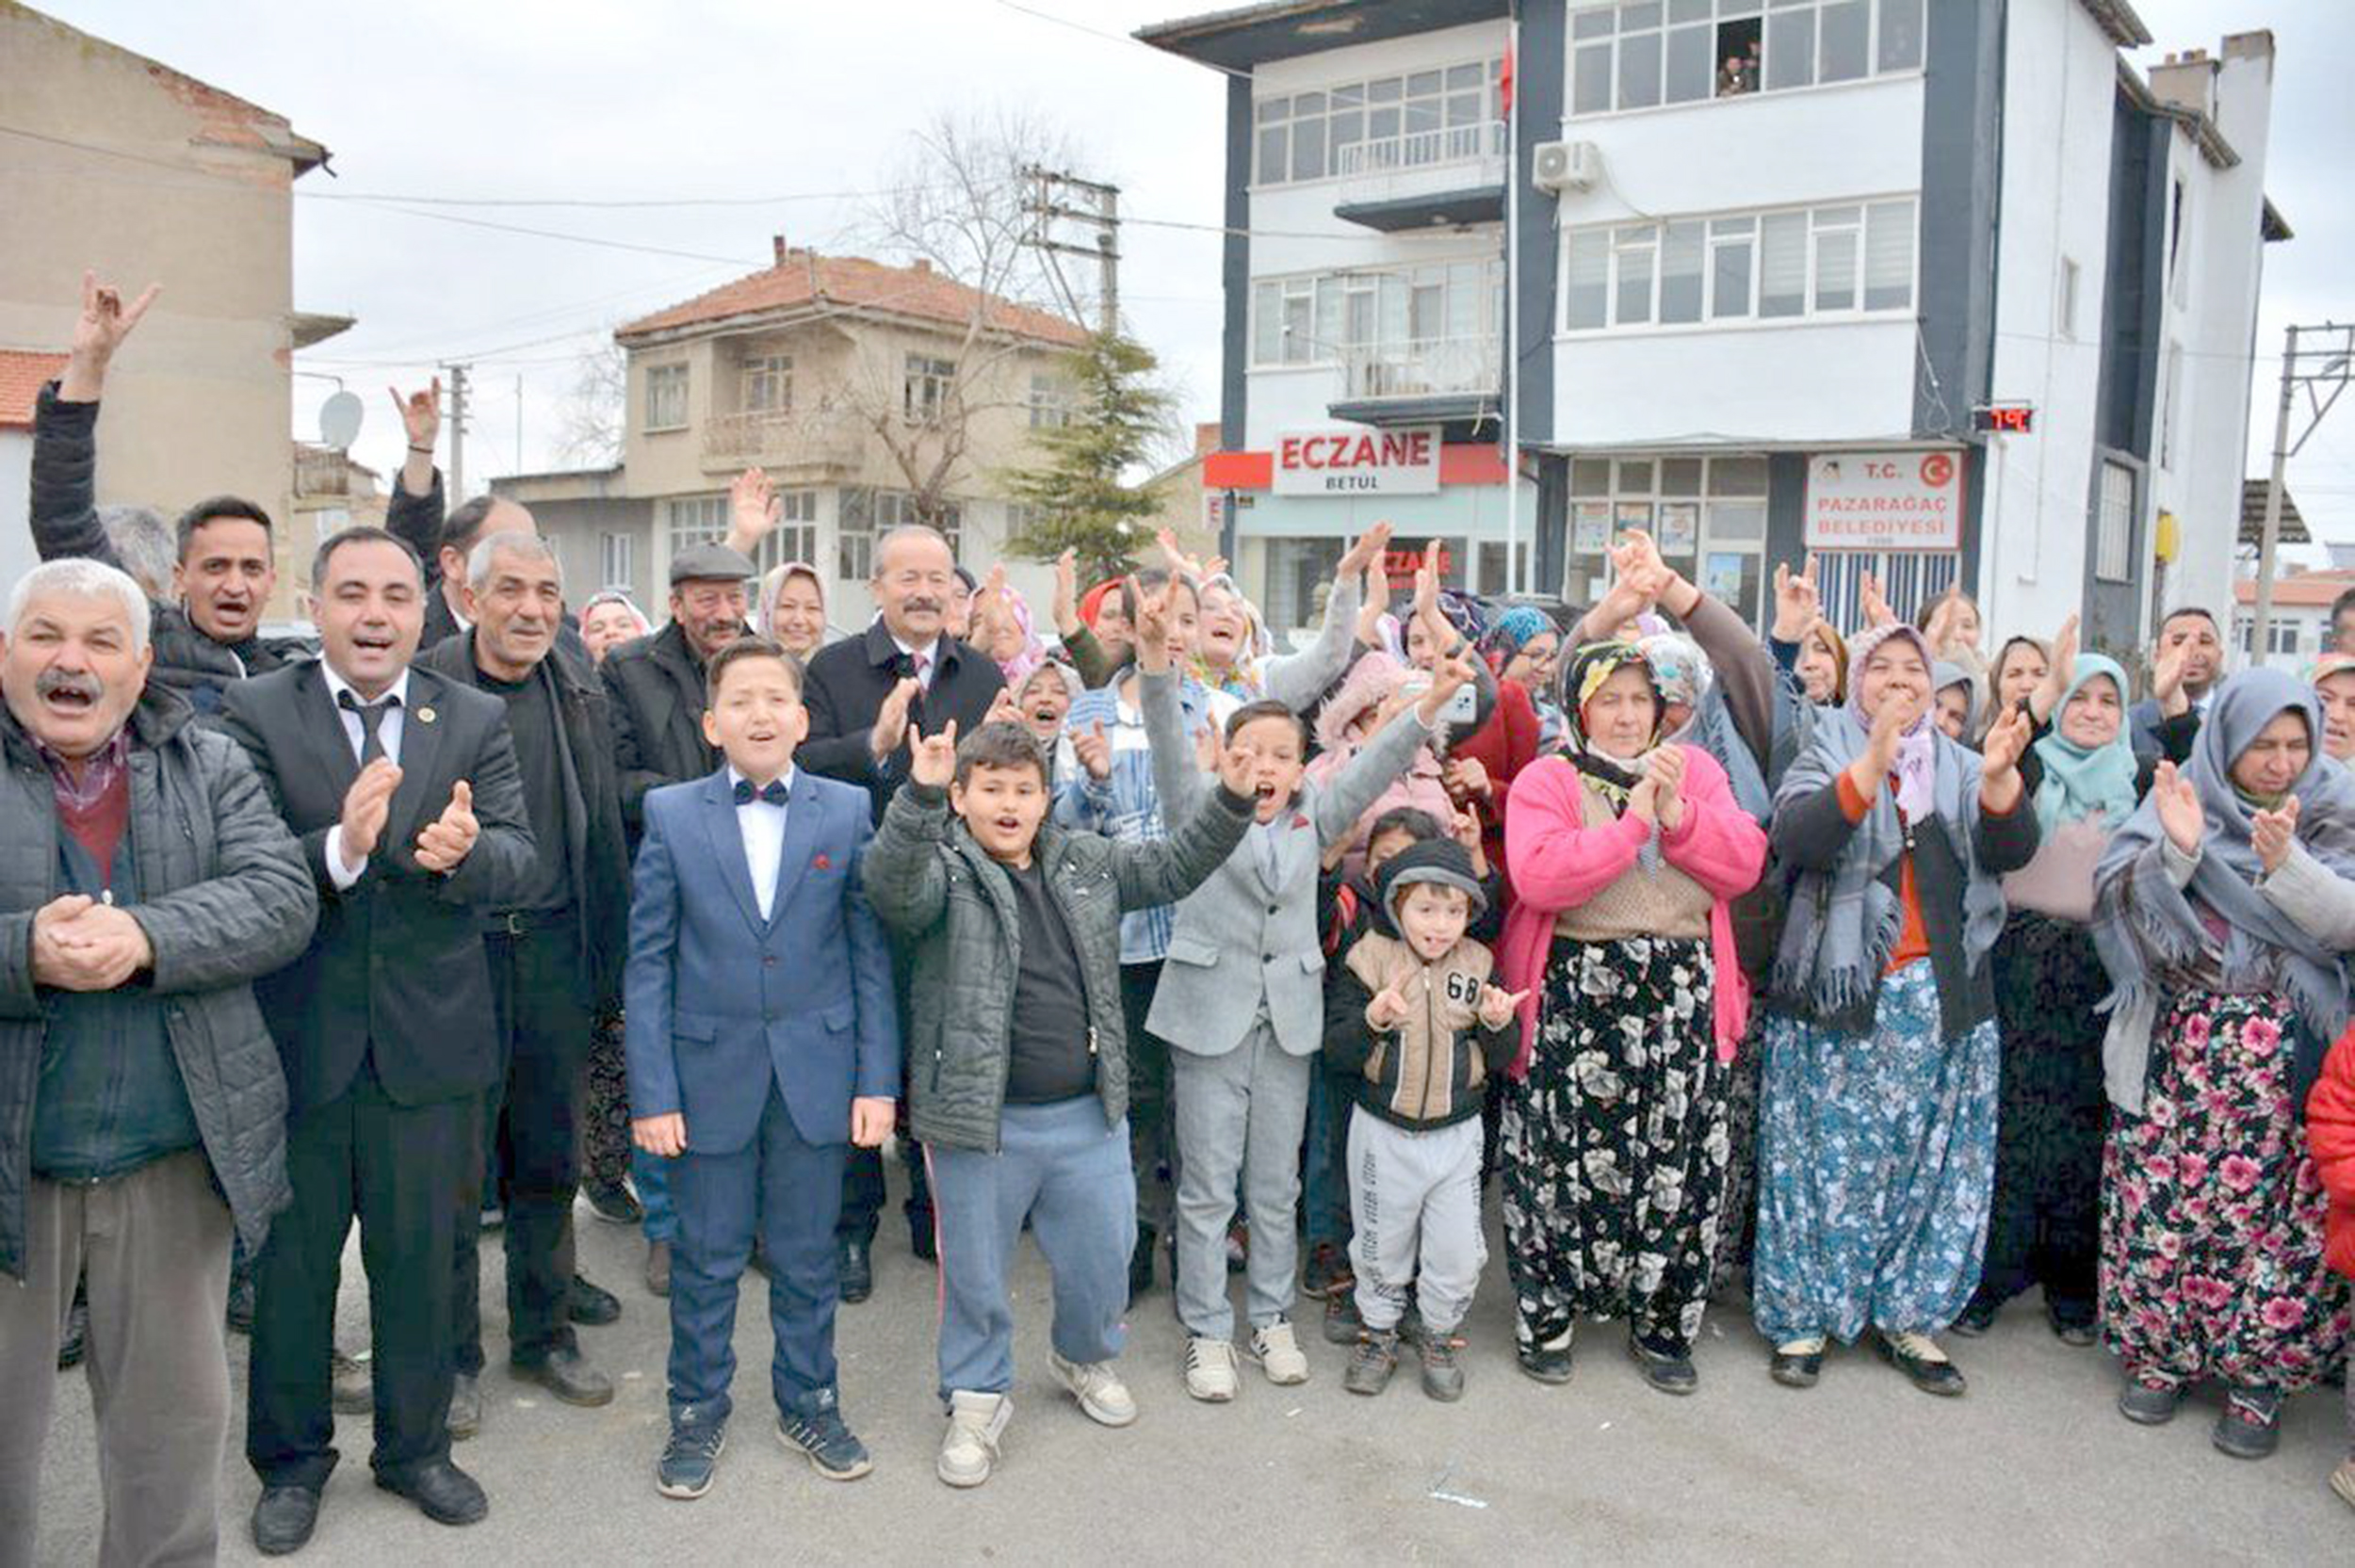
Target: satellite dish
[{"x": 339, "y": 420}]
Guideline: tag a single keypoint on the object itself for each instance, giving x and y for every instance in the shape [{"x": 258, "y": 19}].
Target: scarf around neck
[{"x": 2083, "y": 782}]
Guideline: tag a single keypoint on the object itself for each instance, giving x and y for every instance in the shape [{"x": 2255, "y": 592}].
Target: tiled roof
[
  {"x": 23, "y": 373},
  {"x": 2298, "y": 590},
  {"x": 803, "y": 280}
]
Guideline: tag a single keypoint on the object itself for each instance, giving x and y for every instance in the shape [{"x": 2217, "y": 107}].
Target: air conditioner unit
[{"x": 1560, "y": 166}]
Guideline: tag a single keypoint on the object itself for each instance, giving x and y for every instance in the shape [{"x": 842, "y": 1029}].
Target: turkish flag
[{"x": 1505, "y": 85}]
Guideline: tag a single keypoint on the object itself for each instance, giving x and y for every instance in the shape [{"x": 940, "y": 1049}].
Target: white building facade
[{"x": 1765, "y": 260}]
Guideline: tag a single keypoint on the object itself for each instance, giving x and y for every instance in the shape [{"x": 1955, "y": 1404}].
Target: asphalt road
[{"x": 2034, "y": 1464}]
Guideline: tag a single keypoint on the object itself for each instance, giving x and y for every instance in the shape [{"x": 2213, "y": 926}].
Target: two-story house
[
  {"x": 1767, "y": 268},
  {"x": 860, "y": 388}
]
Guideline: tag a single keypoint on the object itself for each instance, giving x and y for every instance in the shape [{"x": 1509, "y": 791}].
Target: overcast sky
[{"x": 786, "y": 105}]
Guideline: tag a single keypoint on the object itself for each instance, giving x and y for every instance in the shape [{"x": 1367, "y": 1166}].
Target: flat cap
[{"x": 709, "y": 563}]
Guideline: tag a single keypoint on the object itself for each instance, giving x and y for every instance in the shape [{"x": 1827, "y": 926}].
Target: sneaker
[
  {"x": 1550, "y": 1362},
  {"x": 822, "y": 1436},
  {"x": 2250, "y": 1425},
  {"x": 1328, "y": 1271},
  {"x": 1373, "y": 1361},
  {"x": 1919, "y": 1358},
  {"x": 2343, "y": 1481},
  {"x": 968, "y": 1449},
  {"x": 613, "y": 1203},
  {"x": 1278, "y": 1354},
  {"x": 1443, "y": 1373},
  {"x": 1798, "y": 1362},
  {"x": 1103, "y": 1398},
  {"x": 2149, "y": 1399},
  {"x": 1210, "y": 1369},
  {"x": 1342, "y": 1325},
  {"x": 689, "y": 1459},
  {"x": 354, "y": 1385}
]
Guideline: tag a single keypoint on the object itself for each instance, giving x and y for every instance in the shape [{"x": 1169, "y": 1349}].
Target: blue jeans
[
  {"x": 1325, "y": 1179},
  {"x": 1062, "y": 1168},
  {"x": 650, "y": 1175},
  {"x": 788, "y": 1189}
]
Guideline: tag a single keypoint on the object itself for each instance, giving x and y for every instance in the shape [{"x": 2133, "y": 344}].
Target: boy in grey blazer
[{"x": 1241, "y": 1002}]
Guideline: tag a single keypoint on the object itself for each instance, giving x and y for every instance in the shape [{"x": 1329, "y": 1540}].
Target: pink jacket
[{"x": 1558, "y": 862}]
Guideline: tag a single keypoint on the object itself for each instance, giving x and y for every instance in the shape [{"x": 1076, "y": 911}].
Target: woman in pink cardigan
[{"x": 1624, "y": 854}]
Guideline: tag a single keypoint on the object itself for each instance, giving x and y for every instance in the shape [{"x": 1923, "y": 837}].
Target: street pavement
[{"x": 2033, "y": 1464}]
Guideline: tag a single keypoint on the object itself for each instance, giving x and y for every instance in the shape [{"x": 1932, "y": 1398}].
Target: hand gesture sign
[
  {"x": 988, "y": 614},
  {"x": 1874, "y": 608},
  {"x": 1637, "y": 559},
  {"x": 933, "y": 760},
  {"x": 451, "y": 838},
  {"x": 754, "y": 508},
  {"x": 1452, "y": 675},
  {"x": 1389, "y": 1008},
  {"x": 1363, "y": 552},
  {"x": 105, "y": 320},
  {"x": 1798, "y": 604},
  {"x": 1498, "y": 1006},
  {"x": 1066, "y": 604},
  {"x": 1003, "y": 709},
  {"x": 1999, "y": 759},
  {"x": 2273, "y": 832},
  {"x": 1898, "y": 710},
  {"x": 366, "y": 805},
  {"x": 1094, "y": 751},
  {"x": 420, "y": 414},
  {"x": 1467, "y": 779},
  {"x": 1376, "y": 605},
  {"x": 891, "y": 720},
  {"x": 2167, "y": 679},
  {"x": 2180, "y": 811},
  {"x": 1940, "y": 633},
  {"x": 1152, "y": 622},
  {"x": 2058, "y": 671},
  {"x": 1664, "y": 771},
  {"x": 1465, "y": 829}
]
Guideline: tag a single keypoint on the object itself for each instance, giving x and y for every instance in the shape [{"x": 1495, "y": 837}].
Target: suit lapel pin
[{"x": 425, "y": 716}]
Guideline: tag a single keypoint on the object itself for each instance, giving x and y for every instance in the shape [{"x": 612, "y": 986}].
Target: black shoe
[
  {"x": 658, "y": 1268},
  {"x": 1552, "y": 1362},
  {"x": 922, "y": 1239},
  {"x": 2250, "y": 1425},
  {"x": 821, "y": 1435},
  {"x": 240, "y": 1315},
  {"x": 74, "y": 1343},
  {"x": 1975, "y": 1321},
  {"x": 1141, "y": 1263},
  {"x": 1342, "y": 1325},
  {"x": 2149, "y": 1402},
  {"x": 591, "y": 1304},
  {"x": 760, "y": 1264},
  {"x": 854, "y": 1269},
  {"x": 442, "y": 1492},
  {"x": 2075, "y": 1330},
  {"x": 566, "y": 1374},
  {"x": 284, "y": 1519},
  {"x": 1669, "y": 1371},
  {"x": 1930, "y": 1374},
  {"x": 614, "y": 1204},
  {"x": 1797, "y": 1368}
]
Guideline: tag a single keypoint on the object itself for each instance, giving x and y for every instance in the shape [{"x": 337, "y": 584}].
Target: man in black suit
[
  {"x": 556, "y": 957},
  {"x": 402, "y": 787},
  {"x": 864, "y": 695}
]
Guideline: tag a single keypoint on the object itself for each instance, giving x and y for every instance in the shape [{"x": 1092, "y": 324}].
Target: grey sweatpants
[
  {"x": 1241, "y": 1113},
  {"x": 1414, "y": 1198},
  {"x": 156, "y": 1246}
]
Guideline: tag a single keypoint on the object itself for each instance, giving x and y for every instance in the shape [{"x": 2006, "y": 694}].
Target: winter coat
[
  {"x": 2330, "y": 1138},
  {"x": 1370, "y": 682}
]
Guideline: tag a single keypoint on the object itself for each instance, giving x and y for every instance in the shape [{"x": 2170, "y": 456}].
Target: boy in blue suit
[{"x": 762, "y": 1041}]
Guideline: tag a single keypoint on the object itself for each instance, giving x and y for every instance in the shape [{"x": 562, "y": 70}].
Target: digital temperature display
[{"x": 2004, "y": 418}]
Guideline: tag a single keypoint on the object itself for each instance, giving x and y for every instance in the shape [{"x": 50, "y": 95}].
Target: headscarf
[
  {"x": 1839, "y": 646},
  {"x": 616, "y": 596},
  {"x": 1946, "y": 673},
  {"x": 764, "y": 617},
  {"x": 1512, "y": 631},
  {"x": 1916, "y": 747},
  {"x": 1683, "y": 675},
  {"x": 1033, "y": 650},
  {"x": 1579, "y": 679},
  {"x": 1244, "y": 678},
  {"x": 2136, "y": 917},
  {"x": 2086, "y": 781},
  {"x": 1842, "y": 923}
]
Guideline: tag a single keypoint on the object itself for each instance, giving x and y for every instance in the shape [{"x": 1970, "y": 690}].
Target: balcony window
[
  {"x": 926, "y": 391},
  {"x": 767, "y": 384},
  {"x": 666, "y": 397},
  {"x": 1642, "y": 54},
  {"x": 1451, "y": 115},
  {"x": 1856, "y": 258},
  {"x": 1406, "y": 331}
]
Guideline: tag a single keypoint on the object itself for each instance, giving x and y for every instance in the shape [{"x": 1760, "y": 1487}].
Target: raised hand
[
  {"x": 420, "y": 414},
  {"x": 1388, "y": 1010},
  {"x": 1003, "y": 709},
  {"x": 1152, "y": 625},
  {"x": 2273, "y": 832},
  {"x": 988, "y": 614},
  {"x": 1094, "y": 751},
  {"x": 1897, "y": 713},
  {"x": 1376, "y": 604},
  {"x": 1465, "y": 779},
  {"x": 1497, "y": 1005},
  {"x": 1870, "y": 601},
  {"x": 1452, "y": 674},
  {"x": 105, "y": 321},
  {"x": 1066, "y": 604},
  {"x": 664, "y": 1135},
  {"x": 1664, "y": 771},
  {"x": 2058, "y": 672},
  {"x": 1206, "y": 747},
  {"x": 2180, "y": 811},
  {"x": 451, "y": 838},
  {"x": 1363, "y": 552},
  {"x": 2006, "y": 742},
  {"x": 2167, "y": 680},
  {"x": 1940, "y": 632},
  {"x": 1798, "y": 604},
  {"x": 754, "y": 508},
  {"x": 366, "y": 805},
  {"x": 932, "y": 760},
  {"x": 891, "y": 718}
]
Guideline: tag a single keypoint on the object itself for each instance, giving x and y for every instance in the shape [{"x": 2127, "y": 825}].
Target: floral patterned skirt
[
  {"x": 2212, "y": 1214},
  {"x": 1876, "y": 1156},
  {"x": 1614, "y": 1144}
]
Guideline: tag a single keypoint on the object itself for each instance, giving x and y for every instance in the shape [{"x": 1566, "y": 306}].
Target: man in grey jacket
[{"x": 144, "y": 880}]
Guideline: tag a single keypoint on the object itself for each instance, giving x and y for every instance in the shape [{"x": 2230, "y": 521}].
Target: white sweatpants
[{"x": 1415, "y": 1199}]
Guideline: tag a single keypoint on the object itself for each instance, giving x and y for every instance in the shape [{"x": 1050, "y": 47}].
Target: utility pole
[
  {"x": 456, "y": 432},
  {"x": 1059, "y": 197},
  {"x": 2333, "y": 362}
]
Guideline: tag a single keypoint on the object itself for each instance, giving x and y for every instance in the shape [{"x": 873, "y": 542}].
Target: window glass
[
  {"x": 1590, "y": 80},
  {"x": 1267, "y": 323},
  {"x": 1783, "y": 265},
  {"x": 1309, "y": 149},
  {"x": 1730, "y": 280},
  {"x": 1790, "y": 50},
  {"x": 1692, "y": 72},
  {"x": 1274, "y": 153},
  {"x": 1632, "y": 297},
  {"x": 1835, "y": 268},
  {"x": 1889, "y": 255},
  {"x": 1639, "y": 71},
  {"x": 1847, "y": 28},
  {"x": 1680, "y": 476},
  {"x": 1588, "y": 296},
  {"x": 1596, "y": 23},
  {"x": 1680, "y": 255},
  {"x": 1901, "y": 35}
]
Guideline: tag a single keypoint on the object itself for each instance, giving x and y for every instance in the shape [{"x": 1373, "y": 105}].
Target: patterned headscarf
[
  {"x": 1917, "y": 751},
  {"x": 1682, "y": 672},
  {"x": 1581, "y": 678},
  {"x": 1509, "y": 632}
]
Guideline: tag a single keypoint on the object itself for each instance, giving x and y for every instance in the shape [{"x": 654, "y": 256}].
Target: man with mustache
[
  {"x": 225, "y": 572},
  {"x": 402, "y": 787},
  {"x": 142, "y": 1108},
  {"x": 866, "y": 696},
  {"x": 555, "y": 959}
]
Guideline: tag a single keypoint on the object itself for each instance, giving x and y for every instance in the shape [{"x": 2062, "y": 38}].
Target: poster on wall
[
  {"x": 1884, "y": 501},
  {"x": 1680, "y": 527},
  {"x": 1721, "y": 579},
  {"x": 1591, "y": 528}
]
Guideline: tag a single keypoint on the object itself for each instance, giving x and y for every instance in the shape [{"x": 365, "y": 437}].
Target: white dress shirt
[
  {"x": 342, "y": 870},
  {"x": 762, "y": 826}
]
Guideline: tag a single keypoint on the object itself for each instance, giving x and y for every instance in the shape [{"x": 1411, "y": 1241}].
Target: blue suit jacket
[{"x": 720, "y": 1003}]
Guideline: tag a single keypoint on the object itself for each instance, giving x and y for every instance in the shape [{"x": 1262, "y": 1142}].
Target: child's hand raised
[
  {"x": 1389, "y": 1008},
  {"x": 1453, "y": 673},
  {"x": 1094, "y": 751},
  {"x": 932, "y": 761},
  {"x": 1497, "y": 1005}
]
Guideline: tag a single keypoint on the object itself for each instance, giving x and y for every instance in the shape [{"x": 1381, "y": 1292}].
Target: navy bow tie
[{"x": 773, "y": 792}]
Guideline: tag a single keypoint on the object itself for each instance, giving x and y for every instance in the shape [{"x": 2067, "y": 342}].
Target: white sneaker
[
  {"x": 1210, "y": 1369},
  {"x": 1278, "y": 1354},
  {"x": 969, "y": 1450},
  {"x": 1098, "y": 1387}
]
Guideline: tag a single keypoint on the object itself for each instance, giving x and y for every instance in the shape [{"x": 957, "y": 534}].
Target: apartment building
[
  {"x": 1939, "y": 289},
  {"x": 794, "y": 369}
]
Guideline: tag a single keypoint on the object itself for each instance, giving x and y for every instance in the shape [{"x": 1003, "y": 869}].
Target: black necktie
[
  {"x": 371, "y": 722},
  {"x": 773, "y": 792}
]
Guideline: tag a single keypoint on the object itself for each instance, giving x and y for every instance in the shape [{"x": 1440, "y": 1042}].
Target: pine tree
[{"x": 1075, "y": 490}]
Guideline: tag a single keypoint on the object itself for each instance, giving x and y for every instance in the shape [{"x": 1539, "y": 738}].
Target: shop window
[{"x": 1707, "y": 514}]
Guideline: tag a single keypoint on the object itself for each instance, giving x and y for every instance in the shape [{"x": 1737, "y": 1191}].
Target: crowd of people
[{"x": 1849, "y": 969}]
